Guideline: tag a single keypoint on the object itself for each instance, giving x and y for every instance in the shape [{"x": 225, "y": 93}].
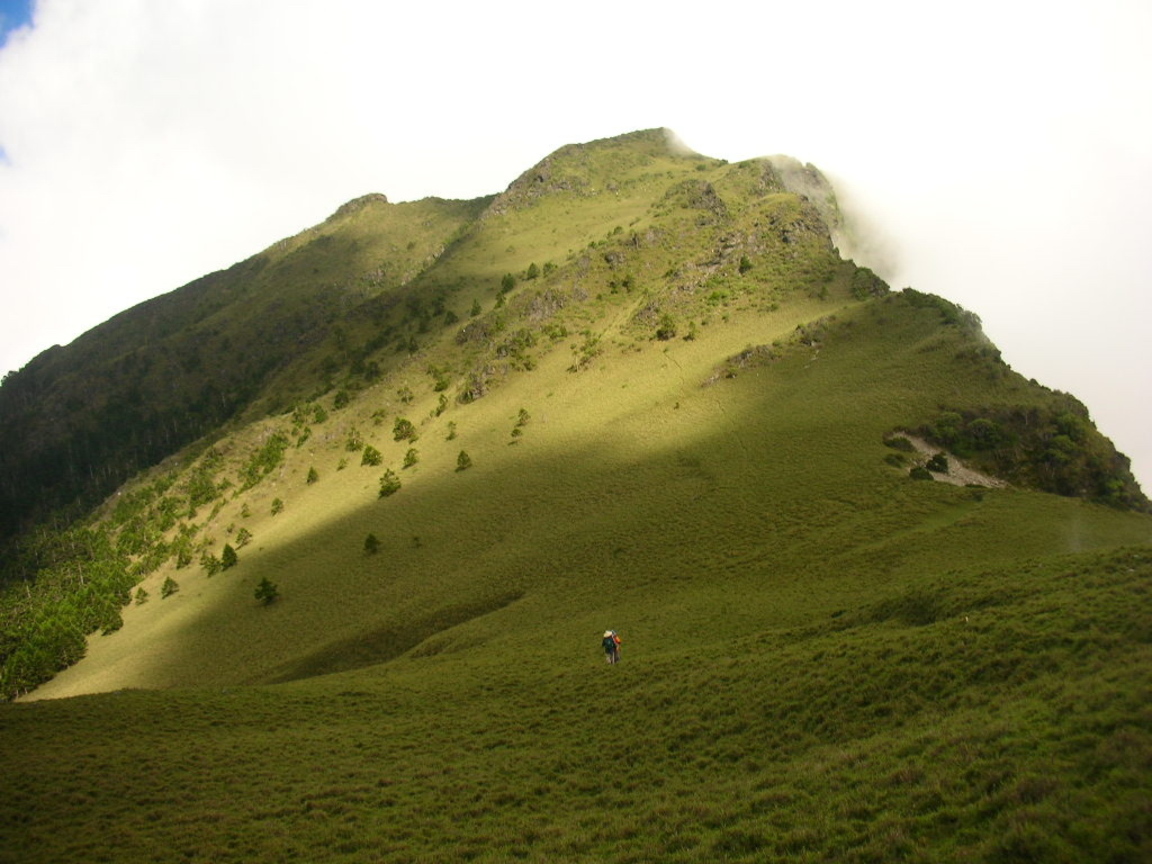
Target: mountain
[{"x": 880, "y": 596}]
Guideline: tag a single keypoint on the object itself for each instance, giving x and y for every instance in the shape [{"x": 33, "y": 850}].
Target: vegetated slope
[
  {"x": 621, "y": 258},
  {"x": 676, "y": 429},
  {"x": 79, "y": 420}
]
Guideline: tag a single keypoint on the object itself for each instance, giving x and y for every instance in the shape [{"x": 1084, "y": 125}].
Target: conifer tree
[{"x": 228, "y": 558}]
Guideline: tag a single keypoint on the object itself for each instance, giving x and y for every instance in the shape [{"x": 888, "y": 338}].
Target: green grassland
[{"x": 676, "y": 418}]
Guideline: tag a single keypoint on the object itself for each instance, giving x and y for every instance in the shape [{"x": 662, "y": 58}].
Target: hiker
[{"x": 611, "y": 643}]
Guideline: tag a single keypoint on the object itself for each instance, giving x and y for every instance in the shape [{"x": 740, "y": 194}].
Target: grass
[
  {"x": 988, "y": 734},
  {"x": 823, "y": 660}
]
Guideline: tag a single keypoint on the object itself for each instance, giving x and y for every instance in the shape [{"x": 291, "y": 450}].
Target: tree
[
  {"x": 267, "y": 591},
  {"x": 476, "y": 310},
  {"x": 532, "y": 272},
  {"x": 389, "y": 484},
  {"x": 371, "y": 545},
  {"x": 170, "y": 587},
  {"x": 411, "y": 457},
  {"x": 507, "y": 283},
  {"x": 211, "y": 564},
  {"x": 243, "y": 538},
  {"x": 228, "y": 558},
  {"x": 313, "y": 476},
  {"x": 277, "y": 506},
  {"x": 141, "y": 596},
  {"x": 403, "y": 430},
  {"x": 371, "y": 456},
  {"x": 463, "y": 461}
]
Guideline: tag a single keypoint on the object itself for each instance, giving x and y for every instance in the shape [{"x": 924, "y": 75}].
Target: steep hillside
[
  {"x": 79, "y": 420},
  {"x": 639, "y": 389}
]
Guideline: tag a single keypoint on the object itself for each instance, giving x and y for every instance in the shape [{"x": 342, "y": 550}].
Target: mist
[{"x": 1001, "y": 158}]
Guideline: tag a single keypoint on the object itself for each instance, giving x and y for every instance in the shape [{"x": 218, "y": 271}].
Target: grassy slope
[{"x": 823, "y": 659}]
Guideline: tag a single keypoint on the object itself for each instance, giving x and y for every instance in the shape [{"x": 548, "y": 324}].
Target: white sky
[{"x": 1003, "y": 149}]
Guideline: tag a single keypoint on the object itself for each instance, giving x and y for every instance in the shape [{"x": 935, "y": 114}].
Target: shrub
[
  {"x": 371, "y": 456},
  {"x": 463, "y": 461},
  {"x": 507, "y": 283},
  {"x": 243, "y": 538},
  {"x": 745, "y": 264},
  {"x": 900, "y": 443},
  {"x": 938, "y": 464},
  {"x": 313, "y": 476},
  {"x": 920, "y": 473},
  {"x": 411, "y": 457},
  {"x": 141, "y": 596},
  {"x": 341, "y": 399},
  {"x": 267, "y": 591},
  {"x": 389, "y": 484},
  {"x": 667, "y": 328},
  {"x": 371, "y": 545},
  {"x": 170, "y": 587},
  {"x": 277, "y": 506}
]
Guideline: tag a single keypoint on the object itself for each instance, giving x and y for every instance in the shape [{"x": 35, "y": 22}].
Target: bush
[
  {"x": 277, "y": 506},
  {"x": 371, "y": 545},
  {"x": 411, "y": 457},
  {"x": 900, "y": 443},
  {"x": 920, "y": 473},
  {"x": 243, "y": 538},
  {"x": 141, "y": 596},
  {"x": 371, "y": 456},
  {"x": 938, "y": 464},
  {"x": 667, "y": 328},
  {"x": 313, "y": 476},
  {"x": 463, "y": 461},
  {"x": 170, "y": 587}
]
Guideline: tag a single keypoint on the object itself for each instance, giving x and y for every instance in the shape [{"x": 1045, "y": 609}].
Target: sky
[{"x": 998, "y": 152}]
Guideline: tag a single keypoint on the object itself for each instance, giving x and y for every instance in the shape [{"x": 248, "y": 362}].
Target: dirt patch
[{"x": 958, "y": 473}]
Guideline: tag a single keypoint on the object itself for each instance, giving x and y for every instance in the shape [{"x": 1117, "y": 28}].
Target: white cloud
[{"x": 1006, "y": 148}]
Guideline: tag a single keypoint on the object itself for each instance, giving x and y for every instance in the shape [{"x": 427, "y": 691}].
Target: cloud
[{"x": 1001, "y": 151}]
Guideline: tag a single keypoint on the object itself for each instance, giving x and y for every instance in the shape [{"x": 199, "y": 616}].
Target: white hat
[{"x": 607, "y": 633}]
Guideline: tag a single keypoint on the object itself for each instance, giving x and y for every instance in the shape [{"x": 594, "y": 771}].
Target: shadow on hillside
[{"x": 382, "y": 645}]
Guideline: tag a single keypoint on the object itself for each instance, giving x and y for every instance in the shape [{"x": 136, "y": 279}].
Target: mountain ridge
[{"x": 358, "y": 615}]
